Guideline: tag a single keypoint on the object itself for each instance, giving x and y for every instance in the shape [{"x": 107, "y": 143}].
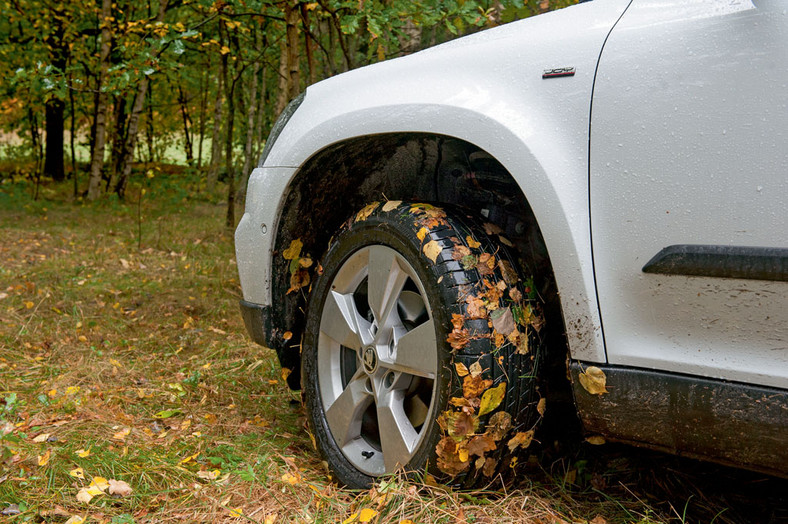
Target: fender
[{"x": 487, "y": 89}]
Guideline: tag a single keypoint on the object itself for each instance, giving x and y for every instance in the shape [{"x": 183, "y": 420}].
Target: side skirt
[{"x": 725, "y": 422}]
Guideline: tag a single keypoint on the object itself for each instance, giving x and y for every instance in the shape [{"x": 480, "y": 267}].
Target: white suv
[{"x": 584, "y": 208}]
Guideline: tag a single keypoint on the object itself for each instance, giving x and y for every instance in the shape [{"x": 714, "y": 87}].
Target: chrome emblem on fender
[{"x": 558, "y": 71}]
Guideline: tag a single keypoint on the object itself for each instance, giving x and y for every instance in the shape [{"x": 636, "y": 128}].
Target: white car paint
[
  {"x": 689, "y": 142},
  {"x": 486, "y": 89}
]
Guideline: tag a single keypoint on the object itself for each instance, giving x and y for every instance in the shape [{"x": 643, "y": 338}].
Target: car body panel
[
  {"x": 688, "y": 147},
  {"x": 486, "y": 89}
]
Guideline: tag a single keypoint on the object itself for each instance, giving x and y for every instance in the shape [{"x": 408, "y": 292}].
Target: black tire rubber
[{"x": 449, "y": 283}]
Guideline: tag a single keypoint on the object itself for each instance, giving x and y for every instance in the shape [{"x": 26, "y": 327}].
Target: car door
[{"x": 689, "y": 188}]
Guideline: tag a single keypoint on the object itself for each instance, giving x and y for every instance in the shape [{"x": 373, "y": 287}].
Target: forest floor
[{"x": 130, "y": 392}]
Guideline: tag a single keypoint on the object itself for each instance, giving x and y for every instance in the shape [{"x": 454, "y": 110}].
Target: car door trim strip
[{"x": 742, "y": 262}]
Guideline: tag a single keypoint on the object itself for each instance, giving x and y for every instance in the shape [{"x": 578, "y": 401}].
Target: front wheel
[{"x": 420, "y": 349}]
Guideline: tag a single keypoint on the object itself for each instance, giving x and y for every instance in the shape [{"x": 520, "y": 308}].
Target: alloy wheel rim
[{"x": 377, "y": 360}]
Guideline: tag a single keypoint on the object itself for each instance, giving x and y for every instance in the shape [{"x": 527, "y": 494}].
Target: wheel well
[{"x": 343, "y": 178}]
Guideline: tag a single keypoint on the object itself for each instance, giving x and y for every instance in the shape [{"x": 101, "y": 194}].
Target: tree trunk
[
  {"x": 134, "y": 120},
  {"x": 250, "y": 111},
  {"x": 54, "y": 165},
  {"x": 97, "y": 161},
  {"x": 187, "y": 123},
  {"x": 290, "y": 78},
  {"x": 71, "y": 138},
  {"x": 118, "y": 139},
  {"x": 203, "y": 104},
  {"x": 229, "y": 87},
  {"x": 216, "y": 137}
]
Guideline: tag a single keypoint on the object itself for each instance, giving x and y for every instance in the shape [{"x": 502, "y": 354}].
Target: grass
[{"x": 123, "y": 353}]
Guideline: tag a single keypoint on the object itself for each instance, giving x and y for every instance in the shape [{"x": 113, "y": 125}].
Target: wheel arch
[{"x": 344, "y": 177}]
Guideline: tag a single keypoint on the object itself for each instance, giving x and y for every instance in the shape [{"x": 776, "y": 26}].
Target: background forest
[{"x": 93, "y": 87}]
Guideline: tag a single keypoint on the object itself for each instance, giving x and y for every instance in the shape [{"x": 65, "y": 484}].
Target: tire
[{"x": 406, "y": 362}]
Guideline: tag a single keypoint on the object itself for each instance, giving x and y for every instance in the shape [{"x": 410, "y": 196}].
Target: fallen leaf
[
  {"x": 461, "y": 369},
  {"x": 189, "y": 458},
  {"x": 351, "y": 518},
  {"x": 474, "y": 386},
  {"x": 476, "y": 369},
  {"x": 41, "y": 438},
  {"x": 236, "y": 512},
  {"x": 122, "y": 434},
  {"x": 167, "y": 413},
  {"x": 78, "y": 473},
  {"x": 120, "y": 488},
  {"x": 475, "y": 308},
  {"x": 300, "y": 278},
  {"x": 44, "y": 459},
  {"x": 522, "y": 439},
  {"x": 421, "y": 234},
  {"x": 508, "y": 272},
  {"x": 472, "y": 243},
  {"x": 391, "y": 204},
  {"x": 486, "y": 264},
  {"x": 432, "y": 249},
  {"x": 498, "y": 425},
  {"x": 287, "y": 335},
  {"x": 599, "y": 519},
  {"x": 366, "y": 515},
  {"x": 294, "y": 251},
  {"x": 75, "y": 519},
  {"x": 291, "y": 479},
  {"x": 209, "y": 475},
  {"x": 271, "y": 519},
  {"x": 596, "y": 440},
  {"x": 366, "y": 212},
  {"x": 503, "y": 321},
  {"x": 82, "y": 453},
  {"x": 492, "y": 398},
  {"x": 460, "y": 252},
  {"x": 492, "y": 229},
  {"x": 593, "y": 380},
  {"x": 541, "y": 406},
  {"x": 100, "y": 483},
  {"x": 481, "y": 444},
  {"x": 448, "y": 455},
  {"x": 489, "y": 467}
]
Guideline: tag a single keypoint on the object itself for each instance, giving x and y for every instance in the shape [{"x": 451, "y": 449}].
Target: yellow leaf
[
  {"x": 78, "y": 473},
  {"x": 462, "y": 453},
  {"x": 471, "y": 242},
  {"x": 595, "y": 440},
  {"x": 351, "y": 518},
  {"x": 391, "y": 204},
  {"x": 285, "y": 373},
  {"x": 72, "y": 390},
  {"x": 291, "y": 479},
  {"x": 122, "y": 434},
  {"x": 224, "y": 50},
  {"x": 462, "y": 370},
  {"x": 541, "y": 406},
  {"x": 29, "y": 305},
  {"x": 408, "y": 521},
  {"x": 189, "y": 458},
  {"x": 270, "y": 519},
  {"x": 41, "y": 438},
  {"x": 209, "y": 475},
  {"x": 82, "y": 453},
  {"x": 236, "y": 512},
  {"x": 432, "y": 249},
  {"x": 75, "y": 519},
  {"x": 421, "y": 233},
  {"x": 44, "y": 459},
  {"x": 593, "y": 380},
  {"x": 492, "y": 398},
  {"x": 364, "y": 213},
  {"x": 99, "y": 483},
  {"x": 294, "y": 251},
  {"x": 475, "y": 369},
  {"x": 366, "y": 515}
]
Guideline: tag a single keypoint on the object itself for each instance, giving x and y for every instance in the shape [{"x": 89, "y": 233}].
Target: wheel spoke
[
  {"x": 397, "y": 436},
  {"x": 386, "y": 280},
  {"x": 342, "y": 322},
  {"x": 416, "y": 352},
  {"x": 344, "y": 415}
]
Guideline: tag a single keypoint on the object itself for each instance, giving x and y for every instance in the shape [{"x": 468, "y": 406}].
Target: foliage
[{"x": 187, "y": 54}]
